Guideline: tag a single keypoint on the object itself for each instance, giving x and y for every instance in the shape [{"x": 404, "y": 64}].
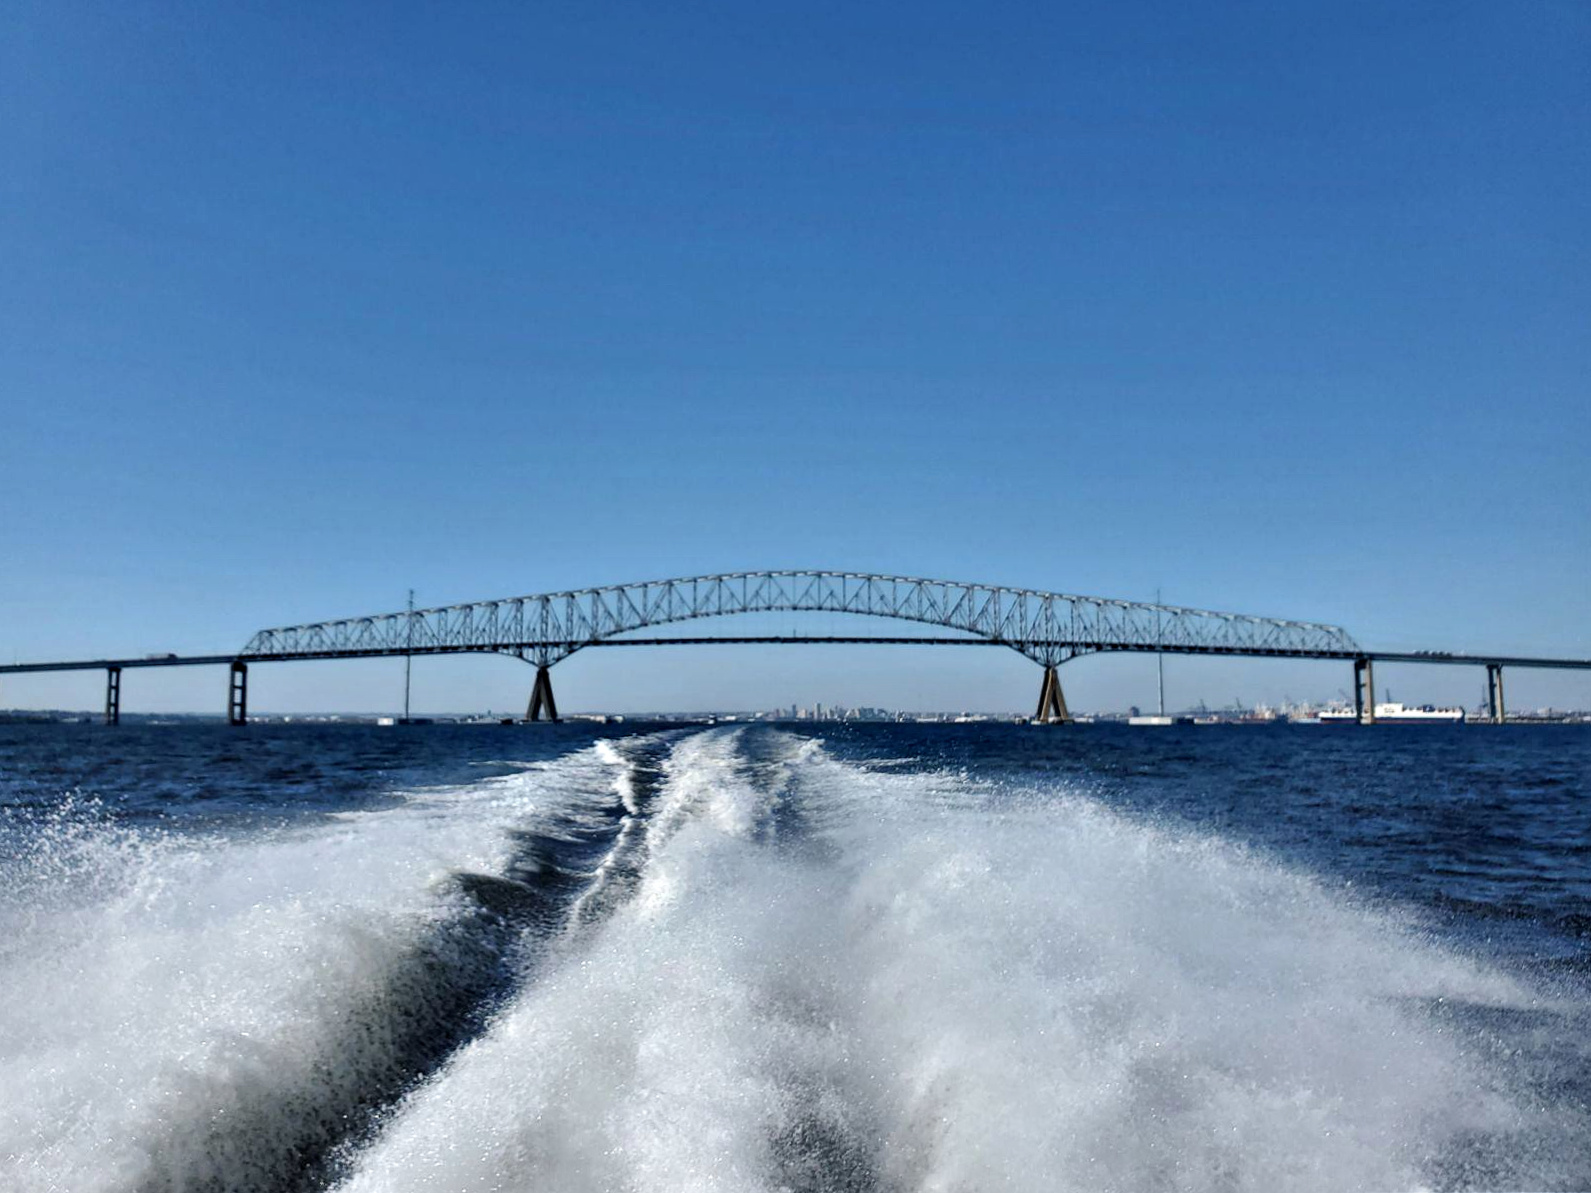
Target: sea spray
[
  {"x": 734, "y": 959},
  {"x": 193, "y": 1012},
  {"x": 932, "y": 985}
]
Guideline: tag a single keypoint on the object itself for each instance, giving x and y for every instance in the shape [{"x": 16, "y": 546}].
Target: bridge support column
[
  {"x": 1052, "y": 701},
  {"x": 237, "y": 702},
  {"x": 113, "y": 695},
  {"x": 541, "y": 697},
  {"x": 1494, "y": 692},
  {"x": 1364, "y": 692}
]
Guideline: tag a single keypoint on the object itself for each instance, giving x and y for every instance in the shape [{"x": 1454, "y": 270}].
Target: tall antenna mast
[
  {"x": 408, "y": 659},
  {"x": 1160, "y": 655}
]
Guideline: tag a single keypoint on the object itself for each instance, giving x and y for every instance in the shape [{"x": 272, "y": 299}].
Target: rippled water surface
[{"x": 875, "y": 957}]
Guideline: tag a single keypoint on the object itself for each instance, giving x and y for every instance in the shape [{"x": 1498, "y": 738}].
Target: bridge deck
[{"x": 1379, "y": 656}]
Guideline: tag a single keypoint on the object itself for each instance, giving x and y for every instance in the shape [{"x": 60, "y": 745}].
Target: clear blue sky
[{"x": 1280, "y": 308}]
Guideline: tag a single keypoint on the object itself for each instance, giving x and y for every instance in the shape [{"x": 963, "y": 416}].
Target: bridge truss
[{"x": 1047, "y": 627}]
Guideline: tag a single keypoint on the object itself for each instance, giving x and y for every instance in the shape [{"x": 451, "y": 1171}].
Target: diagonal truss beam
[{"x": 1047, "y": 627}]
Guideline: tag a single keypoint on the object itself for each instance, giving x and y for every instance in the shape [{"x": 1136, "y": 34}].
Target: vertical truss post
[
  {"x": 237, "y": 704},
  {"x": 1364, "y": 692},
  {"x": 113, "y": 695},
  {"x": 541, "y": 697},
  {"x": 1052, "y": 702},
  {"x": 1494, "y": 692}
]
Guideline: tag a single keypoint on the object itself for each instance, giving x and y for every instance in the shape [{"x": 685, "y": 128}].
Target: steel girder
[{"x": 1047, "y": 627}]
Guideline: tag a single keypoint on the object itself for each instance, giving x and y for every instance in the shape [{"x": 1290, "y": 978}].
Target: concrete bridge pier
[
  {"x": 1494, "y": 692},
  {"x": 113, "y": 695},
  {"x": 237, "y": 701},
  {"x": 1364, "y": 692},
  {"x": 1052, "y": 701},
  {"x": 541, "y": 697}
]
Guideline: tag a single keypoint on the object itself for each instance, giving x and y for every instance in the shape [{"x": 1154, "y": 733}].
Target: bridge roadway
[
  {"x": 1049, "y": 628},
  {"x": 1365, "y": 704}
]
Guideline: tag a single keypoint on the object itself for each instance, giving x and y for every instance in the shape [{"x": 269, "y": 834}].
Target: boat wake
[{"x": 728, "y": 960}]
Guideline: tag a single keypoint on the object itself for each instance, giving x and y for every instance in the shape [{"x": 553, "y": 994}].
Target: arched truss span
[{"x": 1048, "y": 627}]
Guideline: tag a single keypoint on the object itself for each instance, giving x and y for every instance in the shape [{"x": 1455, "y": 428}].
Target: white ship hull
[
  {"x": 1393, "y": 713},
  {"x": 1398, "y": 714}
]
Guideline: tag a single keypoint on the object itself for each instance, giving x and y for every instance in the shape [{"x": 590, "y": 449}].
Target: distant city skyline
[{"x": 1277, "y": 310}]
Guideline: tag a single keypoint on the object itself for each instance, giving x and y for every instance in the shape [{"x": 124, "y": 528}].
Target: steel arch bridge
[{"x": 1047, "y": 627}]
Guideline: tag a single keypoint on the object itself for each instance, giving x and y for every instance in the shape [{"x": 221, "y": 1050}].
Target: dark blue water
[{"x": 871, "y": 957}]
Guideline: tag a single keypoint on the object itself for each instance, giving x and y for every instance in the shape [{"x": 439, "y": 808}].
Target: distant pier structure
[{"x": 1050, "y": 628}]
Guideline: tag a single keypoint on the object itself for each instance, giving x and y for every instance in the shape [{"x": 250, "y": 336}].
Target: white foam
[
  {"x": 948, "y": 988},
  {"x": 155, "y": 985},
  {"x": 827, "y": 976}
]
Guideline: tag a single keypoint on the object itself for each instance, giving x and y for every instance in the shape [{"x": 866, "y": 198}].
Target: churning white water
[
  {"x": 835, "y": 978},
  {"x": 188, "y": 1012},
  {"x": 780, "y": 971}
]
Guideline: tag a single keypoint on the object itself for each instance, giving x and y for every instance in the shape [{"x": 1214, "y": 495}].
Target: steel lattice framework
[{"x": 1047, "y": 627}]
